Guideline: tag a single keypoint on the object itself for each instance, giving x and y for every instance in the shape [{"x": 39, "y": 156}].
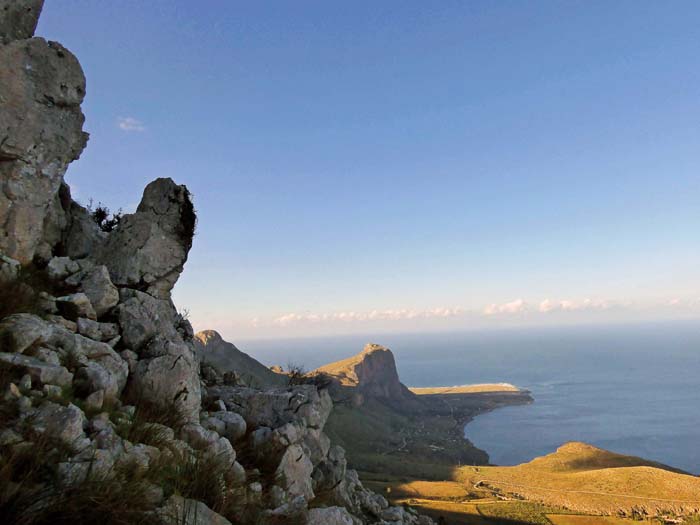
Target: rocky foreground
[{"x": 106, "y": 413}]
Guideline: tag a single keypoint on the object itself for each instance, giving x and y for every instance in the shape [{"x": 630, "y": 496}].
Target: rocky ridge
[
  {"x": 102, "y": 392},
  {"x": 213, "y": 349}
]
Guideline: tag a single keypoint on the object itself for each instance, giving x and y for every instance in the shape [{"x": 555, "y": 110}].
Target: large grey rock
[
  {"x": 103, "y": 369},
  {"x": 97, "y": 331},
  {"x": 234, "y": 426},
  {"x": 61, "y": 267},
  {"x": 189, "y": 512},
  {"x": 294, "y": 473},
  {"x": 97, "y": 286},
  {"x": 149, "y": 248},
  {"x": 19, "y": 332},
  {"x": 276, "y": 406},
  {"x": 330, "y": 516},
  {"x": 63, "y": 423},
  {"x": 330, "y": 472},
  {"x": 39, "y": 371},
  {"x": 89, "y": 464},
  {"x": 99, "y": 367},
  {"x": 42, "y": 86},
  {"x": 142, "y": 316},
  {"x": 82, "y": 236},
  {"x": 209, "y": 443},
  {"x": 18, "y": 19},
  {"x": 75, "y": 305},
  {"x": 168, "y": 376}
]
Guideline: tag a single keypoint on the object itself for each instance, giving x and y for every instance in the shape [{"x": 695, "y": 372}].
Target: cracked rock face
[
  {"x": 41, "y": 88},
  {"x": 149, "y": 248}
]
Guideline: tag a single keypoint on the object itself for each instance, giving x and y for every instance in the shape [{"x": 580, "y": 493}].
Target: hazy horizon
[{"x": 404, "y": 166}]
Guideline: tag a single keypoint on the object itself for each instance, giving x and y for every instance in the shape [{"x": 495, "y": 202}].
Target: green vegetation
[
  {"x": 106, "y": 220},
  {"x": 517, "y": 511}
]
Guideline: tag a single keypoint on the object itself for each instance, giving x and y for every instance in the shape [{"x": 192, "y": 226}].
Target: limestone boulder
[
  {"x": 233, "y": 426},
  {"x": 61, "y": 267},
  {"x": 168, "y": 376},
  {"x": 294, "y": 473},
  {"x": 97, "y": 331},
  {"x": 19, "y": 332},
  {"x": 276, "y": 406},
  {"x": 97, "y": 286},
  {"x": 42, "y": 373},
  {"x": 141, "y": 316},
  {"x": 63, "y": 423},
  {"x": 82, "y": 236},
  {"x": 189, "y": 512},
  {"x": 74, "y": 306},
  {"x": 330, "y": 516},
  {"x": 149, "y": 248},
  {"x": 42, "y": 86}
]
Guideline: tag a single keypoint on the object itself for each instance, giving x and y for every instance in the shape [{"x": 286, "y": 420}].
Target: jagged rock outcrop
[
  {"x": 149, "y": 249},
  {"x": 42, "y": 87},
  {"x": 100, "y": 386},
  {"x": 371, "y": 373},
  {"x": 213, "y": 349}
]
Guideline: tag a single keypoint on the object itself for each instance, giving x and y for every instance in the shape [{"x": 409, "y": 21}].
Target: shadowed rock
[
  {"x": 149, "y": 248},
  {"x": 212, "y": 348}
]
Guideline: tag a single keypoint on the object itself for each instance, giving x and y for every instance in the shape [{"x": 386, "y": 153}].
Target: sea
[{"x": 632, "y": 389}]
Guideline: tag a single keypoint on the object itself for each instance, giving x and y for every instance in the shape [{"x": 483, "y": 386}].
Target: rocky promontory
[{"x": 107, "y": 414}]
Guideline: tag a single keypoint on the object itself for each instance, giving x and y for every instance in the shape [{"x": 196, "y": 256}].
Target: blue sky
[{"x": 404, "y": 165}]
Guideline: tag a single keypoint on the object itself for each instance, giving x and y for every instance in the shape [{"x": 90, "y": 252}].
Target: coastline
[
  {"x": 466, "y": 402},
  {"x": 422, "y": 440}
]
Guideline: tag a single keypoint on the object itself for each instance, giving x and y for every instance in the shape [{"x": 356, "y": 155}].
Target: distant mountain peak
[
  {"x": 372, "y": 372},
  {"x": 208, "y": 336},
  {"x": 214, "y": 349}
]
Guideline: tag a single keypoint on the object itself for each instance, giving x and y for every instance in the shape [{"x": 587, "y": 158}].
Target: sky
[{"x": 404, "y": 166}]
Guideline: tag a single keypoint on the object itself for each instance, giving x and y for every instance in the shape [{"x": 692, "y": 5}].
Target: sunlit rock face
[{"x": 371, "y": 373}]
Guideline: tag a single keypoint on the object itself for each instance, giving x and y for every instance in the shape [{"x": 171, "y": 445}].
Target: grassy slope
[{"x": 587, "y": 479}]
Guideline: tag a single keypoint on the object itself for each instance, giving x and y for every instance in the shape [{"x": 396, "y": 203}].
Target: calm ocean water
[{"x": 632, "y": 389}]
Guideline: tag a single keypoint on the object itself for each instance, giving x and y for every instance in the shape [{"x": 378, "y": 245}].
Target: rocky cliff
[
  {"x": 105, "y": 414},
  {"x": 370, "y": 374}
]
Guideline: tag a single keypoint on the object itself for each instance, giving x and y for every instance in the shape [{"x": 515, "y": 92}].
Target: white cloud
[
  {"x": 567, "y": 305},
  {"x": 130, "y": 124},
  {"x": 373, "y": 315},
  {"x": 513, "y": 307}
]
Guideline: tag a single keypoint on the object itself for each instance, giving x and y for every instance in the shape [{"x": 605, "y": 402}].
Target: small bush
[
  {"x": 194, "y": 475},
  {"x": 140, "y": 429},
  {"x": 29, "y": 496},
  {"x": 103, "y": 217},
  {"x": 296, "y": 375}
]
